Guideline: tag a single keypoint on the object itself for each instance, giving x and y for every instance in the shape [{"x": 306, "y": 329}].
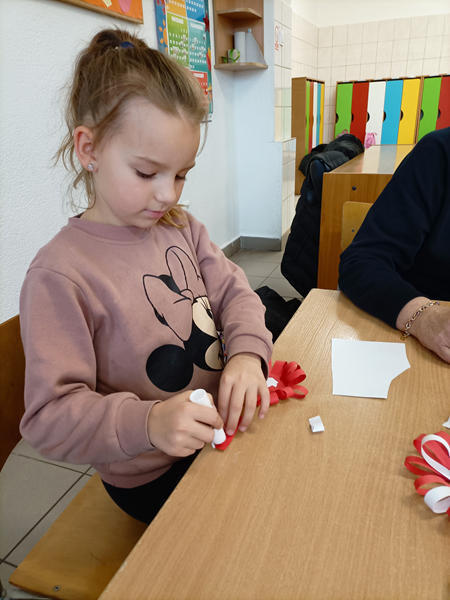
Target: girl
[{"x": 120, "y": 310}]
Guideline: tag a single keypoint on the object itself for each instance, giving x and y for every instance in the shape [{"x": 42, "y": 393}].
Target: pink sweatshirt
[{"x": 114, "y": 319}]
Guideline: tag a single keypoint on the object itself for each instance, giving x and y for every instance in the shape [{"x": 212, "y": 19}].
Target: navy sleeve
[{"x": 378, "y": 270}]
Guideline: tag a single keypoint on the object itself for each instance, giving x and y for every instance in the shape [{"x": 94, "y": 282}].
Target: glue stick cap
[{"x": 219, "y": 437}]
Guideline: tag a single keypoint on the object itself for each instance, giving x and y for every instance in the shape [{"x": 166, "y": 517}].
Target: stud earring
[{"x": 91, "y": 166}]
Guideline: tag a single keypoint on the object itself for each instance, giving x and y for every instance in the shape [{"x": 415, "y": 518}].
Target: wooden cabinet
[
  {"x": 308, "y": 97},
  {"x": 231, "y": 16}
]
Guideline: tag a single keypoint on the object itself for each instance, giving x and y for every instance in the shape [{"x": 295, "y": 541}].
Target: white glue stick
[{"x": 201, "y": 397}]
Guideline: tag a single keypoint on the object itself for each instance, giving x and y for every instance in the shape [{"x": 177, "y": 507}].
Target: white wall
[{"x": 38, "y": 42}]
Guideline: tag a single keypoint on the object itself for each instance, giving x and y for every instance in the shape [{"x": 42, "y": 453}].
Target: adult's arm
[{"x": 394, "y": 231}]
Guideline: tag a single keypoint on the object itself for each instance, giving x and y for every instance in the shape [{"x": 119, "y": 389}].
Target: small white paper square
[
  {"x": 316, "y": 424},
  {"x": 447, "y": 424}
]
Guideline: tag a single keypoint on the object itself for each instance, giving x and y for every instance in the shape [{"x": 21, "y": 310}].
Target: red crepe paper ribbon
[
  {"x": 434, "y": 468},
  {"x": 287, "y": 376}
]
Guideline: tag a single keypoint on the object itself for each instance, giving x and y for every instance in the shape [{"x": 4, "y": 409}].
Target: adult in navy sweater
[{"x": 400, "y": 257}]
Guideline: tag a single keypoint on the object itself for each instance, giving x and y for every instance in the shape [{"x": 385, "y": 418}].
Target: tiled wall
[
  {"x": 405, "y": 47},
  {"x": 283, "y": 102}
]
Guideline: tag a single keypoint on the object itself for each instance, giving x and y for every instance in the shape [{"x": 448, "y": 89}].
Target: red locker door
[
  {"x": 443, "y": 119},
  {"x": 359, "y": 109}
]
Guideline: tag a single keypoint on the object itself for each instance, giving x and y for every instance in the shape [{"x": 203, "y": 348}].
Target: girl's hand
[
  {"x": 179, "y": 427},
  {"x": 241, "y": 382}
]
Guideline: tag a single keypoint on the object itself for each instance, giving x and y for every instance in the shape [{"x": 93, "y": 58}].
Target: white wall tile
[
  {"x": 416, "y": 49},
  {"x": 278, "y": 123},
  {"x": 402, "y": 29},
  {"x": 436, "y": 24},
  {"x": 287, "y": 48},
  {"x": 386, "y": 30},
  {"x": 277, "y": 11},
  {"x": 337, "y": 74},
  {"x": 414, "y": 68},
  {"x": 400, "y": 50},
  {"x": 369, "y": 53},
  {"x": 398, "y": 68},
  {"x": 324, "y": 57},
  {"x": 278, "y": 81},
  {"x": 355, "y": 33},
  {"x": 370, "y": 32},
  {"x": 325, "y": 37},
  {"x": 277, "y": 57},
  {"x": 419, "y": 27},
  {"x": 352, "y": 72},
  {"x": 433, "y": 47},
  {"x": 340, "y": 35},
  {"x": 354, "y": 53},
  {"x": 445, "y": 50},
  {"x": 384, "y": 52},
  {"x": 430, "y": 66},
  {"x": 382, "y": 70},
  {"x": 368, "y": 71},
  {"x": 447, "y": 25},
  {"x": 339, "y": 56},
  {"x": 444, "y": 64}
]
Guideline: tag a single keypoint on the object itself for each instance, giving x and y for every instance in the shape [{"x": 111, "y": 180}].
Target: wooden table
[
  {"x": 287, "y": 514},
  {"x": 359, "y": 180}
]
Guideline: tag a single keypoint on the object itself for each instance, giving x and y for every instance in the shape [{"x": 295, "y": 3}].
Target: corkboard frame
[{"x": 104, "y": 10}]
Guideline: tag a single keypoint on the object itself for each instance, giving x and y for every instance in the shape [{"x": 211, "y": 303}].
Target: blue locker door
[
  {"x": 318, "y": 102},
  {"x": 392, "y": 106}
]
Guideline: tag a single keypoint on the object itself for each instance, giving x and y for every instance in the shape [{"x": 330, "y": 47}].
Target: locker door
[
  {"x": 308, "y": 83},
  {"x": 315, "y": 117},
  {"x": 443, "y": 119},
  {"x": 375, "y": 109},
  {"x": 392, "y": 106},
  {"x": 359, "y": 109},
  {"x": 319, "y": 112},
  {"x": 408, "y": 113},
  {"x": 429, "y": 107},
  {"x": 343, "y": 107},
  {"x": 311, "y": 115},
  {"x": 322, "y": 111}
]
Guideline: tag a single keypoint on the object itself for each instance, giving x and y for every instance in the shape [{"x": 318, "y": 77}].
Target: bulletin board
[
  {"x": 130, "y": 10},
  {"x": 182, "y": 28}
]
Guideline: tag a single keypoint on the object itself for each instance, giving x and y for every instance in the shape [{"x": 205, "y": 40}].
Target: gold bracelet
[{"x": 406, "y": 333}]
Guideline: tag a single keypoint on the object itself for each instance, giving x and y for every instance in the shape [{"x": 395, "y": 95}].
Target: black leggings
[{"x": 143, "y": 502}]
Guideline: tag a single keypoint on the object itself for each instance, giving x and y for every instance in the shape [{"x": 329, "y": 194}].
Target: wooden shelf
[
  {"x": 239, "y": 14},
  {"x": 231, "y": 16},
  {"x": 241, "y": 66}
]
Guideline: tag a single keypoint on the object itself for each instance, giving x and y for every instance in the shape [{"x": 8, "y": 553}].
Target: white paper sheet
[
  {"x": 447, "y": 424},
  {"x": 316, "y": 424},
  {"x": 366, "y": 369}
]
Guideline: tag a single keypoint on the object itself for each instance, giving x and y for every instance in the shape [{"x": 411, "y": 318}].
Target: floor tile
[
  {"x": 255, "y": 282},
  {"x": 255, "y": 255},
  {"x": 19, "y": 553},
  {"x": 257, "y": 268},
  {"x": 23, "y": 448},
  {"x": 283, "y": 287},
  {"x": 28, "y": 490},
  {"x": 277, "y": 273}
]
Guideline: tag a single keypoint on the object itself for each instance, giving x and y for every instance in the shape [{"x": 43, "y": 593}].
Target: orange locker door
[{"x": 359, "y": 109}]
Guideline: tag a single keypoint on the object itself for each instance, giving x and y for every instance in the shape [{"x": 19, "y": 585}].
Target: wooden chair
[
  {"x": 353, "y": 214},
  {"x": 88, "y": 542}
]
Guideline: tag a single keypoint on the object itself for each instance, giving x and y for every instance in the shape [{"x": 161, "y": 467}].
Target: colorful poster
[
  {"x": 130, "y": 10},
  {"x": 183, "y": 33}
]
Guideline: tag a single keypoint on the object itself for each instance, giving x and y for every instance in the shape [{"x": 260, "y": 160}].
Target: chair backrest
[
  {"x": 12, "y": 381},
  {"x": 353, "y": 215}
]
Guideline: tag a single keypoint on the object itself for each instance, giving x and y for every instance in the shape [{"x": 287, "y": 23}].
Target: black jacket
[{"x": 301, "y": 256}]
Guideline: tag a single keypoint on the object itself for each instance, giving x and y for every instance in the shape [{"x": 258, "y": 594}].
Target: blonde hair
[{"x": 107, "y": 75}]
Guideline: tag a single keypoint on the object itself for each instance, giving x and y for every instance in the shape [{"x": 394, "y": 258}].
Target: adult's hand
[{"x": 431, "y": 327}]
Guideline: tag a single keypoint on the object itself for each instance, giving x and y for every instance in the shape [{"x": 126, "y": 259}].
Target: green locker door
[
  {"x": 344, "y": 94},
  {"x": 430, "y": 105}
]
